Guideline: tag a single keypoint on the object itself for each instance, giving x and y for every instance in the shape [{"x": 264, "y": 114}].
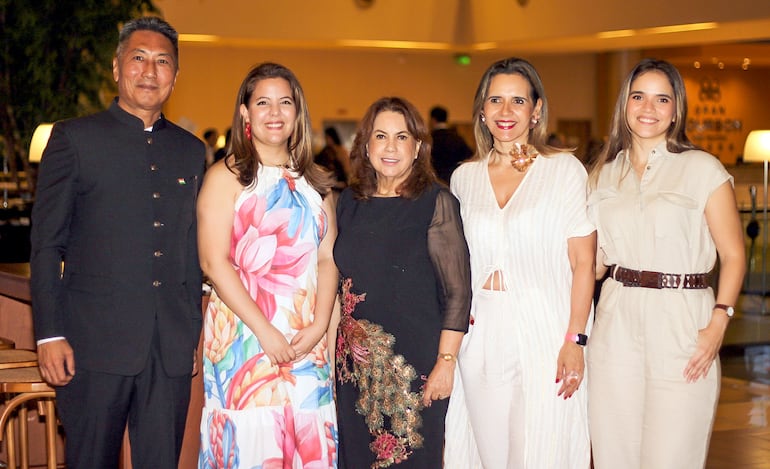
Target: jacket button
[
  {"x": 156, "y": 283},
  {"x": 156, "y": 195},
  {"x": 153, "y": 167},
  {"x": 157, "y": 224},
  {"x": 157, "y": 253}
]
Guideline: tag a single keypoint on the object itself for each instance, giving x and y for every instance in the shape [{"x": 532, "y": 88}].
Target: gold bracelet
[{"x": 447, "y": 357}]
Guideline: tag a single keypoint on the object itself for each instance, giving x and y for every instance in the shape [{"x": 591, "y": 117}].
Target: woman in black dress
[{"x": 405, "y": 295}]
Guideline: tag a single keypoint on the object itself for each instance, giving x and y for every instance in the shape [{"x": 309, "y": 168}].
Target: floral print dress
[{"x": 259, "y": 416}]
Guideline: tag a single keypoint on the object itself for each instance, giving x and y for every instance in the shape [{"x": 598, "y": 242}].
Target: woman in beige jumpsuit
[{"x": 664, "y": 211}]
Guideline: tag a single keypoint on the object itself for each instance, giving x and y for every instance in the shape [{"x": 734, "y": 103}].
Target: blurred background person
[
  {"x": 449, "y": 148},
  {"x": 267, "y": 229},
  {"x": 334, "y": 158},
  {"x": 523, "y": 205},
  {"x": 210, "y": 137},
  {"x": 664, "y": 211},
  {"x": 405, "y": 295},
  {"x": 222, "y": 152},
  {"x": 554, "y": 140}
]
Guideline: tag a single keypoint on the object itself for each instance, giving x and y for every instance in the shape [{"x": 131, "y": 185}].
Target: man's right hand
[{"x": 56, "y": 361}]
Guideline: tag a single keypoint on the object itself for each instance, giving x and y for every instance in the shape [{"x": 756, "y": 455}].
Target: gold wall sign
[{"x": 710, "y": 124}]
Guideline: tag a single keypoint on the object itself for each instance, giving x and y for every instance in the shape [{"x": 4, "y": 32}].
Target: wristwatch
[
  {"x": 447, "y": 357},
  {"x": 728, "y": 309},
  {"x": 580, "y": 339}
]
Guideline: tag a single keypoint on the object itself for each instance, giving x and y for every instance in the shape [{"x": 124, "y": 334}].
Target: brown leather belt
[{"x": 650, "y": 279}]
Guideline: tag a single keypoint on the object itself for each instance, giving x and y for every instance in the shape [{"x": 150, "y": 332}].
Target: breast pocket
[
  {"x": 185, "y": 186},
  {"x": 673, "y": 215},
  {"x": 183, "y": 192}
]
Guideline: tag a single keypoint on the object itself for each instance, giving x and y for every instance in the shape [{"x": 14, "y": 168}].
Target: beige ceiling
[{"x": 725, "y": 30}]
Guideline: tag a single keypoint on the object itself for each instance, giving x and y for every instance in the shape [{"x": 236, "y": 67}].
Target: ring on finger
[{"x": 573, "y": 376}]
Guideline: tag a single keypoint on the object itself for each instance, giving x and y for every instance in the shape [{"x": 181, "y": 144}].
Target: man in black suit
[
  {"x": 449, "y": 148},
  {"x": 116, "y": 283}
]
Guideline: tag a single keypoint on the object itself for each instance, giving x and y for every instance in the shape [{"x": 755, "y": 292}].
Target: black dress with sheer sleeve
[{"x": 405, "y": 273}]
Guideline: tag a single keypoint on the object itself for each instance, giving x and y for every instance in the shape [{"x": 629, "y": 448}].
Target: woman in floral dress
[{"x": 266, "y": 235}]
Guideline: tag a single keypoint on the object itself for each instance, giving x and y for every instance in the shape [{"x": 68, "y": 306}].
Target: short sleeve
[
  {"x": 576, "y": 201},
  {"x": 451, "y": 262},
  {"x": 706, "y": 174},
  {"x": 715, "y": 173}
]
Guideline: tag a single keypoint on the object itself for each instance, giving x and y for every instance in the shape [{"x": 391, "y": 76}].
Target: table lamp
[
  {"x": 757, "y": 149},
  {"x": 39, "y": 142}
]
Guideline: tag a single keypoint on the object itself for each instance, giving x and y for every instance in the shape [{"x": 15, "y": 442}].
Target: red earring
[{"x": 248, "y": 131}]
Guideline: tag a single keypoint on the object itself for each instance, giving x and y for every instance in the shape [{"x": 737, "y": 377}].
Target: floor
[{"x": 741, "y": 436}]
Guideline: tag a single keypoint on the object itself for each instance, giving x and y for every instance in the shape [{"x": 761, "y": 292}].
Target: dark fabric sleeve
[
  {"x": 451, "y": 262},
  {"x": 51, "y": 217}
]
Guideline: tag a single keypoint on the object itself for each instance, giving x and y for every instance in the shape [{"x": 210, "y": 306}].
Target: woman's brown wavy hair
[
  {"x": 422, "y": 175},
  {"x": 246, "y": 161}
]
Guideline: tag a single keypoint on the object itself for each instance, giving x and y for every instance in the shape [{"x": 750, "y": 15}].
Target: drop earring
[{"x": 247, "y": 131}]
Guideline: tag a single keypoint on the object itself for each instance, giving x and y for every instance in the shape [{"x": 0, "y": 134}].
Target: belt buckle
[
  {"x": 671, "y": 280},
  {"x": 649, "y": 279}
]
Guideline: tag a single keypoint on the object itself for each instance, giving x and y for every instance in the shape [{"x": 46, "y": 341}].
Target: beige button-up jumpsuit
[{"x": 642, "y": 412}]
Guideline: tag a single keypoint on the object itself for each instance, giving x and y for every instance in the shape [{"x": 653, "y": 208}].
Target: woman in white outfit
[{"x": 523, "y": 205}]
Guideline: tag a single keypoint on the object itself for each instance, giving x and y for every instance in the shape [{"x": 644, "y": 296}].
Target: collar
[
  {"x": 657, "y": 152},
  {"x": 131, "y": 120}
]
